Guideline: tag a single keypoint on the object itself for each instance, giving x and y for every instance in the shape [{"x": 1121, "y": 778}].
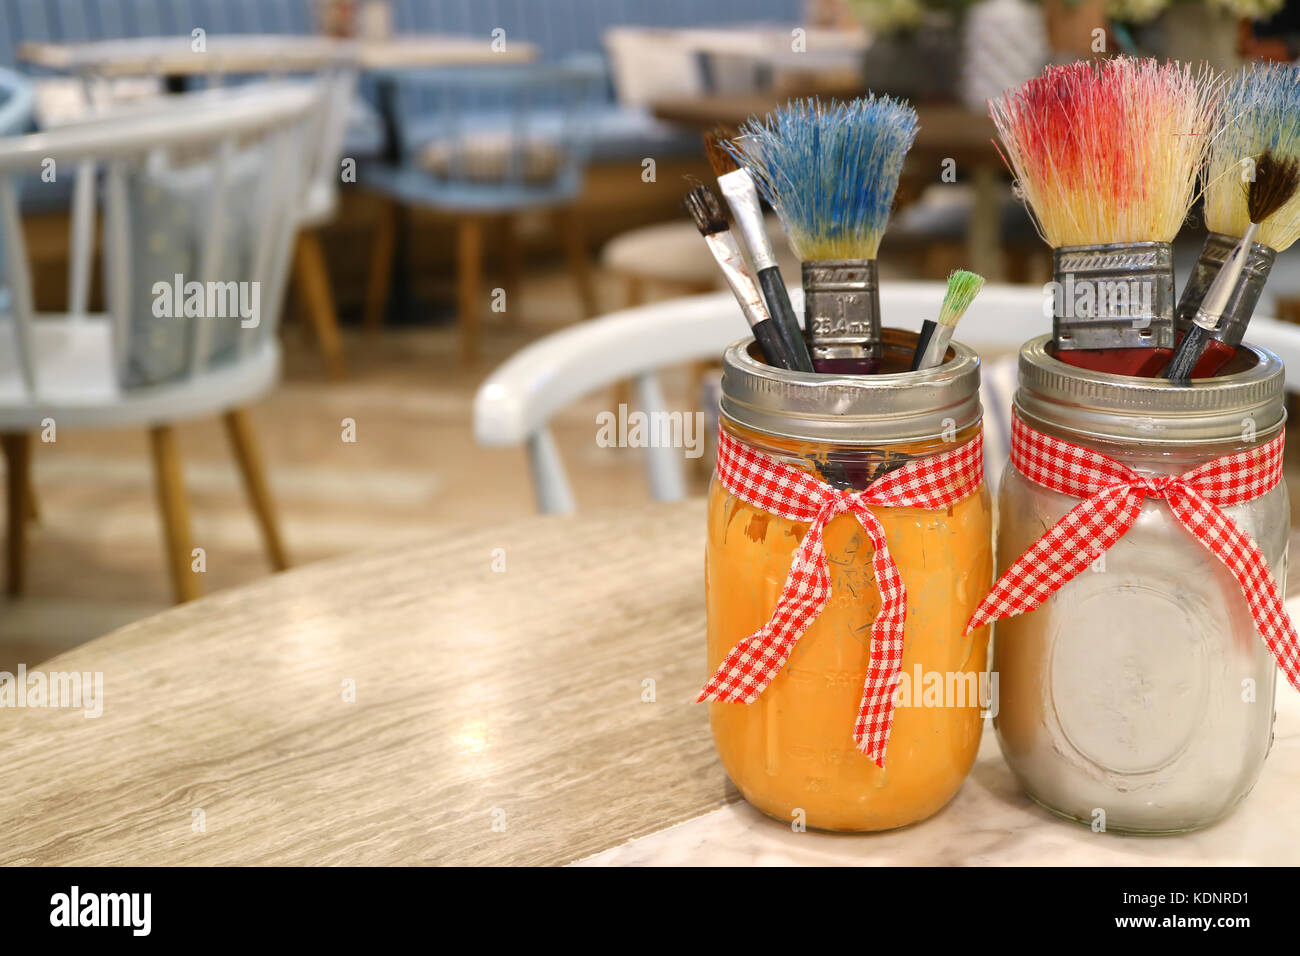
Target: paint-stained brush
[
  {"x": 963, "y": 286},
  {"x": 1275, "y": 185},
  {"x": 739, "y": 191},
  {"x": 831, "y": 171},
  {"x": 711, "y": 220},
  {"x": 1260, "y": 113},
  {"x": 1106, "y": 154}
]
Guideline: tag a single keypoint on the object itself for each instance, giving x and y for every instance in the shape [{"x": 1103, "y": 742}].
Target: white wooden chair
[
  {"x": 73, "y": 368},
  {"x": 517, "y": 401}
]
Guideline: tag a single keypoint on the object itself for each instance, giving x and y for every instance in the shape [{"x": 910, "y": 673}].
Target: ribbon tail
[
  {"x": 1074, "y": 542},
  {"x": 1243, "y": 559},
  {"x": 876, "y": 709},
  {"x": 752, "y": 664}
]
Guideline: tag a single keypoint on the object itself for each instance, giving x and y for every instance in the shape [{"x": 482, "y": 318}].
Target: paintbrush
[
  {"x": 830, "y": 171},
  {"x": 1106, "y": 154},
  {"x": 1260, "y": 112},
  {"x": 711, "y": 219},
  {"x": 739, "y": 191},
  {"x": 1275, "y": 184},
  {"x": 963, "y": 286}
]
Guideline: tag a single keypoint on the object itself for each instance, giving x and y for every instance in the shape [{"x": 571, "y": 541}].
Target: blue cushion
[{"x": 617, "y": 132}]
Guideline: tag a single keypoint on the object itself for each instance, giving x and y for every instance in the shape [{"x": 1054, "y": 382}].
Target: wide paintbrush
[
  {"x": 1275, "y": 185},
  {"x": 830, "y": 171},
  {"x": 1106, "y": 154},
  {"x": 1260, "y": 114}
]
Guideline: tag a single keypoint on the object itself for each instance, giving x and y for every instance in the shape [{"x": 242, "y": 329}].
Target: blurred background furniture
[
  {"x": 487, "y": 144},
  {"x": 208, "y": 185}
]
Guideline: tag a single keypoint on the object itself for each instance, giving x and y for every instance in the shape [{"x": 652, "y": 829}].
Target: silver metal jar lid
[
  {"x": 1123, "y": 408},
  {"x": 853, "y": 409}
]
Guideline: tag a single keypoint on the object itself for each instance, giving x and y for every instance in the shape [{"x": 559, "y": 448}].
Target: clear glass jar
[
  {"x": 1139, "y": 695},
  {"x": 792, "y": 749}
]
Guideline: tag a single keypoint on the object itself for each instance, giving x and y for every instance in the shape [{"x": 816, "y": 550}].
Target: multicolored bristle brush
[
  {"x": 963, "y": 286},
  {"x": 1260, "y": 114},
  {"x": 1106, "y": 154},
  {"x": 741, "y": 194},
  {"x": 830, "y": 171},
  {"x": 1275, "y": 184}
]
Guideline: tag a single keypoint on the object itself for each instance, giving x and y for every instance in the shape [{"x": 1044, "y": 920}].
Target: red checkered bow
[
  {"x": 933, "y": 482},
  {"x": 1113, "y": 496}
]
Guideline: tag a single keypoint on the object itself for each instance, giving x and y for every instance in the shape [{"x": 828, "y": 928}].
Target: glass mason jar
[
  {"x": 1140, "y": 690},
  {"x": 792, "y": 749}
]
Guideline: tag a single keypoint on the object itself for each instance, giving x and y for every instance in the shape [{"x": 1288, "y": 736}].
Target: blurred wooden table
[
  {"x": 264, "y": 53},
  {"x": 511, "y": 698},
  {"x": 947, "y": 132}
]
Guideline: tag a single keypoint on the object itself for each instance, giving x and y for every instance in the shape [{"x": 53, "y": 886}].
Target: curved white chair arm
[
  {"x": 521, "y": 396},
  {"x": 517, "y": 401}
]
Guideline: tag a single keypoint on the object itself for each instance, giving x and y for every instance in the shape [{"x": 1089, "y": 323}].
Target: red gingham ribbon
[
  {"x": 932, "y": 482},
  {"x": 1112, "y": 497}
]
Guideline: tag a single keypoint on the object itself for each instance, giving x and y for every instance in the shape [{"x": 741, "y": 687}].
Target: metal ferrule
[
  {"x": 842, "y": 308},
  {"x": 1245, "y": 294},
  {"x": 897, "y": 405},
  {"x": 1113, "y": 296},
  {"x": 747, "y": 213}
]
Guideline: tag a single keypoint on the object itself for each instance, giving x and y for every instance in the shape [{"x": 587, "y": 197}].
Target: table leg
[
  {"x": 18, "y": 455},
  {"x": 984, "y": 235}
]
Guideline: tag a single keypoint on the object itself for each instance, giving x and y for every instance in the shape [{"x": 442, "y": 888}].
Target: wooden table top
[
  {"x": 257, "y": 53},
  {"x": 946, "y": 129},
  {"x": 393, "y": 707},
  {"x": 480, "y": 696}
]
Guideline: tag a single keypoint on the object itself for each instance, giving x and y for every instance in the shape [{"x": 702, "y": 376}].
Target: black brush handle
[
  {"x": 1188, "y": 354},
  {"x": 923, "y": 340},
  {"x": 778, "y": 304},
  {"x": 772, "y": 344}
]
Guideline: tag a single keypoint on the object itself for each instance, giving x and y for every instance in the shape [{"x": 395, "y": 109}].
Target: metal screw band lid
[
  {"x": 853, "y": 409},
  {"x": 1125, "y": 408}
]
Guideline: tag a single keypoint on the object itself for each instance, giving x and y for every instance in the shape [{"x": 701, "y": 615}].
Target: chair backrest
[
  {"x": 15, "y": 103},
  {"x": 204, "y": 186},
  {"x": 500, "y": 117},
  {"x": 517, "y": 401}
]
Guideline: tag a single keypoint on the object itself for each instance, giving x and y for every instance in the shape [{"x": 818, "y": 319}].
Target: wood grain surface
[{"x": 480, "y": 696}]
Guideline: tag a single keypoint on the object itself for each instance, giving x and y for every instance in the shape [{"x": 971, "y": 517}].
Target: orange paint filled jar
[{"x": 791, "y": 752}]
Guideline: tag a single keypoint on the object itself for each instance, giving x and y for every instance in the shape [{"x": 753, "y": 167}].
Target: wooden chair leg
[
  {"x": 18, "y": 456},
  {"x": 312, "y": 280},
  {"x": 244, "y": 444},
  {"x": 382, "y": 249},
  {"x": 469, "y": 264},
  {"x": 512, "y": 267},
  {"x": 575, "y": 247},
  {"x": 173, "y": 506},
  {"x": 33, "y": 509}
]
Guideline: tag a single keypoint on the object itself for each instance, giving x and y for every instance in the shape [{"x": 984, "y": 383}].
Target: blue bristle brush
[{"x": 830, "y": 171}]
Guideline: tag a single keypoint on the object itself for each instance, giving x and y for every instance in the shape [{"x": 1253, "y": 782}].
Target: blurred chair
[
  {"x": 487, "y": 143},
  {"x": 515, "y": 404},
  {"x": 310, "y": 275},
  {"x": 209, "y": 186}
]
